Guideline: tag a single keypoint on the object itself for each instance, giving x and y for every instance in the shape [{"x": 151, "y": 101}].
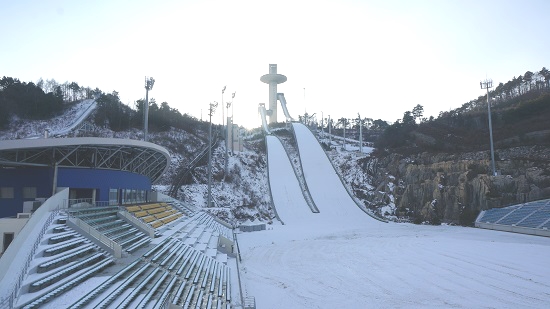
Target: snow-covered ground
[{"x": 342, "y": 258}]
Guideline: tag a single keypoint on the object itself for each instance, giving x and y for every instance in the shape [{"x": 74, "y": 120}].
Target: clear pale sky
[{"x": 376, "y": 58}]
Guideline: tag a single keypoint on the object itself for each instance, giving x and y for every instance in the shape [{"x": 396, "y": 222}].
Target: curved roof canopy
[{"x": 134, "y": 156}]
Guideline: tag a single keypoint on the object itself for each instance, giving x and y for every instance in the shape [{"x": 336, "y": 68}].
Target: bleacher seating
[
  {"x": 200, "y": 280},
  {"x": 68, "y": 259},
  {"x": 106, "y": 221},
  {"x": 183, "y": 270},
  {"x": 155, "y": 214},
  {"x": 174, "y": 271}
]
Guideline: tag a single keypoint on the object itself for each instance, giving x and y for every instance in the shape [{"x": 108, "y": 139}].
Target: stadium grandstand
[
  {"x": 80, "y": 212},
  {"x": 529, "y": 218}
]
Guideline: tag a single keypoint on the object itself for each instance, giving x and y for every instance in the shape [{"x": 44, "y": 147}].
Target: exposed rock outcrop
[{"x": 455, "y": 187}]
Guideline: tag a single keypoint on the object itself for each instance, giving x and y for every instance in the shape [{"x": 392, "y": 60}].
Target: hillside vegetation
[
  {"x": 519, "y": 110},
  {"x": 422, "y": 170}
]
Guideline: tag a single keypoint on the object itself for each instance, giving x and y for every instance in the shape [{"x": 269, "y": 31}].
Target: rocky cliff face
[{"x": 455, "y": 187}]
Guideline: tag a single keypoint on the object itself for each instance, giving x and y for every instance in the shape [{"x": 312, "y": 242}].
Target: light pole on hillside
[
  {"x": 226, "y": 137},
  {"x": 329, "y": 132},
  {"x": 232, "y": 123},
  {"x": 360, "y": 133},
  {"x": 223, "y": 116},
  {"x": 344, "y": 124},
  {"x": 223, "y": 127},
  {"x": 149, "y": 82},
  {"x": 487, "y": 84},
  {"x": 211, "y": 110}
]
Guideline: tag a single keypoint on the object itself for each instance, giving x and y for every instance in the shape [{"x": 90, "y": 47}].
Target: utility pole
[
  {"x": 487, "y": 84},
  {"x": 148, "y": 86},
  {"x": 211, "y": 110}
]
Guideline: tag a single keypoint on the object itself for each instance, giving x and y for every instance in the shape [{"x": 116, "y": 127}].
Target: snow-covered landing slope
[
  {"x": 325, "y": 186},
  {"x": 342, "y": 258},
  {"x": 285, "y": 189}
]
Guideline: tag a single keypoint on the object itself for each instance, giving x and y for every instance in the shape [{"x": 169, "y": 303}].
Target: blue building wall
[
  {"x": 102, "y": 180},
  {"x": 17, "y": 178},
  {"x": 74, "y": 178}
]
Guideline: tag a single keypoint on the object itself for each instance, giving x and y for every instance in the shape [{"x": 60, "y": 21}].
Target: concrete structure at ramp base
[{"x": 272, "y": 79}]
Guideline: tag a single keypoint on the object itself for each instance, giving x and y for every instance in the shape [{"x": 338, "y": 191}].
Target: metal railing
[
  {"x": 95, "y": 234},
  {"x": 87, "y": 202},
  {"x": 9, "y": 301},
  {"x": 137, "y": 222}
]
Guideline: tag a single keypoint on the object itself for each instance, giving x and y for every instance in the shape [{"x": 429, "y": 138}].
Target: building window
[
  {"x": 29, "y": 192},
  {"x": 113, "y": 196},
  {"x": 6, "y": 192},
  {"x": 127, "y": 195}
]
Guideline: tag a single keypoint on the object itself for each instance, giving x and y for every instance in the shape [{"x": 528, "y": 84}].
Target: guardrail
[
  {"x": 94, "y": 234},
  {"x": 238, "y": 266},
  {"x": 17, "y": 258},
  {"x": 15, "y": 291},
  {"x": 137, "y": 222},
  {"x": 87, "y": 202}
]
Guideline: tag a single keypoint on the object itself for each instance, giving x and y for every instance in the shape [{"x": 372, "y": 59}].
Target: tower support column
[{"x": 272, "y": 79}]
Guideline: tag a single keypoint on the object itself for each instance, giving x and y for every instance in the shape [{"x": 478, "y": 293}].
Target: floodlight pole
[
  {"x": 211, "y": 111},
  {"x": 148, "y": 86},
  {"x": 360, "y": 133},
  {"x": 487, "y": 84},
  {"x": 232, "y": 123},
  {"x": 329, "y": 132},
  {"x": 223, "y": 128},
  {"x": 345, "y": 123},
  {"x": 228, "y": 104}
]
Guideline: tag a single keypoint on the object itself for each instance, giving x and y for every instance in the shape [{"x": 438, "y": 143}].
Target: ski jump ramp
[
  {"x": 288, "y": 198},
  {"x": 326, "y": 188},
  {"x": 328, "y": 192}
]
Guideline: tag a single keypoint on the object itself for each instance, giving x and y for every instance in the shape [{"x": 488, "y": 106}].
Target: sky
[{"x": 341, "y": 58}]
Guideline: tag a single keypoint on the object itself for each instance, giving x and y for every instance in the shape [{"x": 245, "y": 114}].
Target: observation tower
[{"x": 273, "y": 79}]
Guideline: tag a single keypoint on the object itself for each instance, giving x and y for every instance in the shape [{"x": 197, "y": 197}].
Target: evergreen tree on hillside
[
  {"x": 27, "y": 100},
  {"x": 112, "y": 113}
]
